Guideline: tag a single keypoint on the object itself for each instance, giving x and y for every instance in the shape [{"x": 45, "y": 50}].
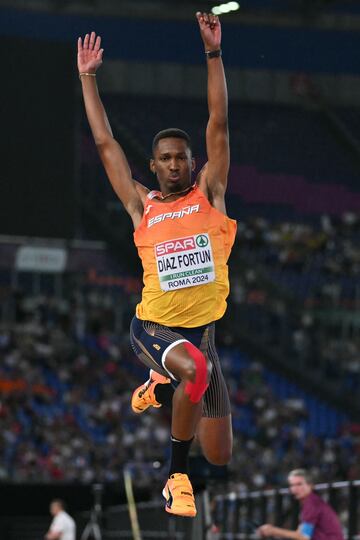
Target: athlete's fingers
[
  {"x": 79, "y": 44},
  {"x": 200, "y": 18},
  {"x": 97, "y": 44},
  {"x": 92, "y": 40},
  {"x": 215, "y": 20},
  {"x": 212, "y": 20},
  {"x": 86, "y": 41},
  {"x": 99, "y": 54}
]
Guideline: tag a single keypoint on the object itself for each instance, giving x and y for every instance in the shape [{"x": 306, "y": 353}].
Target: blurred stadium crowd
[
  {"x": 301, "y": 290},
  {"x": 67, "y": 370}
]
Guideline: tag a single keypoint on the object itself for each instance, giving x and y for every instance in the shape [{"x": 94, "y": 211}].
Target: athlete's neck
[{"x": 163, "y": 196}]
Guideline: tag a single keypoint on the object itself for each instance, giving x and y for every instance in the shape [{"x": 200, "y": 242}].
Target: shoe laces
[
  {"x": 182, "y": 483},
  {"x": 145, "y": 389}
]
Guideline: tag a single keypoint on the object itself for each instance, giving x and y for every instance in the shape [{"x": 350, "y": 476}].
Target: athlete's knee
[
  {"x": 189, "y": 370},
  {"x": 219, "y": 456},
  {"x": 196, "y": 365},
  {"x": 197, "y": 373}
]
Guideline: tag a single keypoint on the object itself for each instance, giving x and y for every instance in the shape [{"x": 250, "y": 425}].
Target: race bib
[{"x": 185, "y": 262}]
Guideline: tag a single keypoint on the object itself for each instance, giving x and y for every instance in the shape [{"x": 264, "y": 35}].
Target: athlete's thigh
[
  {"x": 216, "y": 399},
  {"x": 215, "y": 430},
  {"x": 159, "y": 347},
  {"x": 151, "y": 343},
  {"x": 216, "y": 439}
]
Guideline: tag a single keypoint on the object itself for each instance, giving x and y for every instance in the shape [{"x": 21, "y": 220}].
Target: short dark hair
[{"x": 171, "y": 133}]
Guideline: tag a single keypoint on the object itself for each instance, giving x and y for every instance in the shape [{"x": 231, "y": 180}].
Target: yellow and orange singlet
[{"x": 184, "y": 246}]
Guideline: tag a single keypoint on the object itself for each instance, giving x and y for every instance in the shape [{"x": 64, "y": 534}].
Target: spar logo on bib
[
  {"x": 185, "y": 262},
  {"x": 202, "y": 240}
]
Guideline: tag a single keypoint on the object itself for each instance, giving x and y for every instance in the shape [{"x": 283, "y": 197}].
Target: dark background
[{"x": 37, "y": 112}]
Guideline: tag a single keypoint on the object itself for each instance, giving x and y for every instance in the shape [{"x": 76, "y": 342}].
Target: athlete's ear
[
  {"x": 193, "y": 164},
  {"x": 152, "y": 166}
]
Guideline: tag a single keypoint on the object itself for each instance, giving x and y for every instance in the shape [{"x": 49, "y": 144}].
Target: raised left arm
[{"x": 215, "y": 174}]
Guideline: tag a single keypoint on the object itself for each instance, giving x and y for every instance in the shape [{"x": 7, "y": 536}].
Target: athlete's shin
[
  {"x": 185, "y": 418},
  {"x": 179, "y": 456},
  {"x": 185, "y": 414}
]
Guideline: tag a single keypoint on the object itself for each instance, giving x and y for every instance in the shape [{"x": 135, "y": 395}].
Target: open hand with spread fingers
[
  {"x": 89, "y": 57},
  {"x": 210, "y": 30}
]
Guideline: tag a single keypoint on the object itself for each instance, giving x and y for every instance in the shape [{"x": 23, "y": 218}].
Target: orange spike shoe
[
  {"x": 179, "y": 496},
  {"x": 143, "y": 397}
]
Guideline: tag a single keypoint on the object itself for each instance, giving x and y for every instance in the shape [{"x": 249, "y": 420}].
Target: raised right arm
[{"x": 131, "y": 193}]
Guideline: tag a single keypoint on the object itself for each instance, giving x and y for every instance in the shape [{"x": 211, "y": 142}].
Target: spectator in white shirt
[{"x": 62, "y": 526}]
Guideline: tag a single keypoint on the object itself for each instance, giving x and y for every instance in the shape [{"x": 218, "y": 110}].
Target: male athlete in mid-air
[{"x": 184, "y": 239}]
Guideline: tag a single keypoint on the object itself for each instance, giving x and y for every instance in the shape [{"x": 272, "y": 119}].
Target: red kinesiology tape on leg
[{"x": 197, "y": 389}]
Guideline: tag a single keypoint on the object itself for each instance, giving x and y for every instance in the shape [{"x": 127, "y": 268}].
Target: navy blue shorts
[{"x": 151, "y": 342}]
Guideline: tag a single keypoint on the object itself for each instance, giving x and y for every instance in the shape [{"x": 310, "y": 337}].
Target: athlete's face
[
  {"x": 299, "y": 487},
  {"x": 172, "y": 163}
]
